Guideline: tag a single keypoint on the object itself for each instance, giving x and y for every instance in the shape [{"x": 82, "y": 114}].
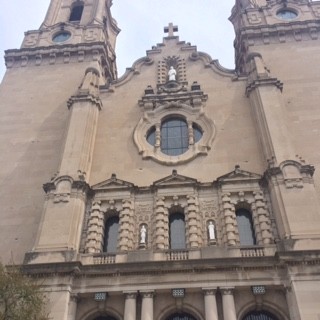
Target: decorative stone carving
[
  {"x": 193, "y": 223},
  {"x": 161, "y": 225},
  {"x": 263, "y": 218},
  {"x": 229, "y": 220},
  {"x": 95, "y": 234},
  {"x": 126, "y": 226},
  {"x": 188, "y": 105}
]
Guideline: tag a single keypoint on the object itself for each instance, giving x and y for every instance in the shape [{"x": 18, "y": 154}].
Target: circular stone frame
[{"x": 155, "y": 117}]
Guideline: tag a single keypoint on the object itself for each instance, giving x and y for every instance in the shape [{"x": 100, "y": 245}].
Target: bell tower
[
  {"x": 72, "y": 30},
  {"x": 275, "y": 42}
]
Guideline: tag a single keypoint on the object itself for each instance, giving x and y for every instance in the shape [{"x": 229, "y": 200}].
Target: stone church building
[{"x": 179, "y": 191}]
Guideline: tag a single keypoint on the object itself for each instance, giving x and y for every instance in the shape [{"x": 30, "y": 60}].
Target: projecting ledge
[{"x": 212, "y": 252}]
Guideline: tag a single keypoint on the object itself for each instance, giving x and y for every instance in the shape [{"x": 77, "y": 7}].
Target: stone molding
[
  {"x": 188, "y": 106},
  {"x": 55, "y": 54},
  {"x": 160, "y": 200},
  {"x": 290, "y": 173}
]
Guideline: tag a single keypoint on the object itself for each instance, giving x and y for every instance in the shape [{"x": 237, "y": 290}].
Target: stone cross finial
[{"x": 170, "y": 29}]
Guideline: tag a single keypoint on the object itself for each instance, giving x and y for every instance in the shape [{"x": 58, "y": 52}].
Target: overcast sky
[{"x": 202, "y": 22}]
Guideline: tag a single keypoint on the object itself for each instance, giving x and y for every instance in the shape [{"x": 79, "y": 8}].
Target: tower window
[
  {"x": 286, "y": 14},
  {"x": 61, "y": 37},
  {"x": 76, "y": 13},
  {"x": 111, "y": 234},
  {"x": 245, "y": 227},
  {"x": 177, "y": 231}
]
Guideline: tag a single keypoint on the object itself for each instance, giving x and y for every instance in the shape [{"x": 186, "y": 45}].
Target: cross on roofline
[{"x": 170, "y": 29}]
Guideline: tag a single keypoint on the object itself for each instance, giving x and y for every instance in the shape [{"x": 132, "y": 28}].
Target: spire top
[{"x": 170, "y": 29}]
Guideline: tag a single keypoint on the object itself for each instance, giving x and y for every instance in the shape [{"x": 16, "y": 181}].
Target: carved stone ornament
[{"x": 153, "y": 118}]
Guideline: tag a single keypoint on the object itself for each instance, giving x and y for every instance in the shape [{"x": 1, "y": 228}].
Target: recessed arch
[
  {"x": 187, "y": 309},
  {"x": 245, "y": 227},
  {"x": 177, "y": 230},
  {"x": 111, "y": 233},
  {"x": 110, "y": 314},
  {"x": 278, "y": 311},
  {"x": 76, "y": 11}
]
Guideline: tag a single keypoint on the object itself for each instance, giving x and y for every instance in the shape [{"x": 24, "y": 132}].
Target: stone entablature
[{"x": 54, "y": 55}]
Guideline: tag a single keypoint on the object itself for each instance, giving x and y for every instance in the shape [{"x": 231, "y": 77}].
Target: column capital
[
  {"x": 130, "y": 294},
  {"x": 227, "y": 290},
  {"x": 209, "y": 291},
  {"x": 74, "y": 297},
  {"x": 147, "y": 293}
]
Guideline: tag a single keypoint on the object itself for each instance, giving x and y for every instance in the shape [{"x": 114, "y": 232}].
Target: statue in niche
[
  {"x": 172, "y": 74},
  {"x": 211, "y": 231},
  {"x": 143, "y": 234}
]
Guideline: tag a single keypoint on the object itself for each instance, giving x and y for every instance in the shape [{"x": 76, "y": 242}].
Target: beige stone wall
[
  {"x": 296, "y": 65},
  {"x": 227, "y": 106},
  {"x": 33, "y": 113}
]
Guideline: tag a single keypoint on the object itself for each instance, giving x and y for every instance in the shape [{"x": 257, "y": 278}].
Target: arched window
[
  {"x": 245, "y": 227},
  {"x": 76, "y": 12},
  {"x": 175, "y": 136},
  {"x": 177, "y": 231},
  {"x": 259, "y": 315},
  {"x": 111, "y": 234},
  {"x": 105, "y": 318},
  {"x": 181, "y": 316}
]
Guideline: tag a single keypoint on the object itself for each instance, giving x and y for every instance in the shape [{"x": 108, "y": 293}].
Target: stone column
[
  {"x": 72, "y": 306},
  {"x": 193, "y": 223},
  {"x": 228, "y": 305},
  {"x": 147, "y": 305},
  {"x": 210, "y": 303},
  {"x": 229, "y": 220},
  {"x": 126, "y": 226},
  {"x": 95, "y": 235},
  {"x": 161, "y": 225},
  {"x": 130, "y": 305}
]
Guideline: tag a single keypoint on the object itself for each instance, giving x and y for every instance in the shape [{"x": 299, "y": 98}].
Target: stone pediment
[
  {"x": 174, "y": 179},
  {"x": 113, "y": 184},
  {"x": 239, "y": 175}
]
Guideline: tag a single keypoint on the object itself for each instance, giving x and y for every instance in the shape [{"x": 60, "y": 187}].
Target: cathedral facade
[{"x": 181, "y": 190}]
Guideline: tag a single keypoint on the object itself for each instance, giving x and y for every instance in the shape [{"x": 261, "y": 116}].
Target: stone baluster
[
  {"x": 210, "y": 303},
  {"x": 229, "y": 219},
  {"x": 161, "y": 227},
  {"x": 228, "y": 305},
  {"x": 147, "y": 305},
  {"x": 193, "y": 223},
  {"x": 126, "y": 226},
  {"x": 263, "y": 218},
  {"x": 95, "y": 234},
  {"x": 130, "y": 305}
]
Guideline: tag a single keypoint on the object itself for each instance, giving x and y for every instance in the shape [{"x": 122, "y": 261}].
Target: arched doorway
[
  {"x": 259, "y": 315},
  {"x": 181, "y": 316},
  {"x": 104, "y": 318}
]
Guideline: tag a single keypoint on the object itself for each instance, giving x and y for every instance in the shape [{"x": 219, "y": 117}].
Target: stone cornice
[
  {"x": 263, "y": 82},
  {"x": 278, "y": 33},
  {"x": 54, "y": 54},
  {"x": 85, "y": 96}
]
